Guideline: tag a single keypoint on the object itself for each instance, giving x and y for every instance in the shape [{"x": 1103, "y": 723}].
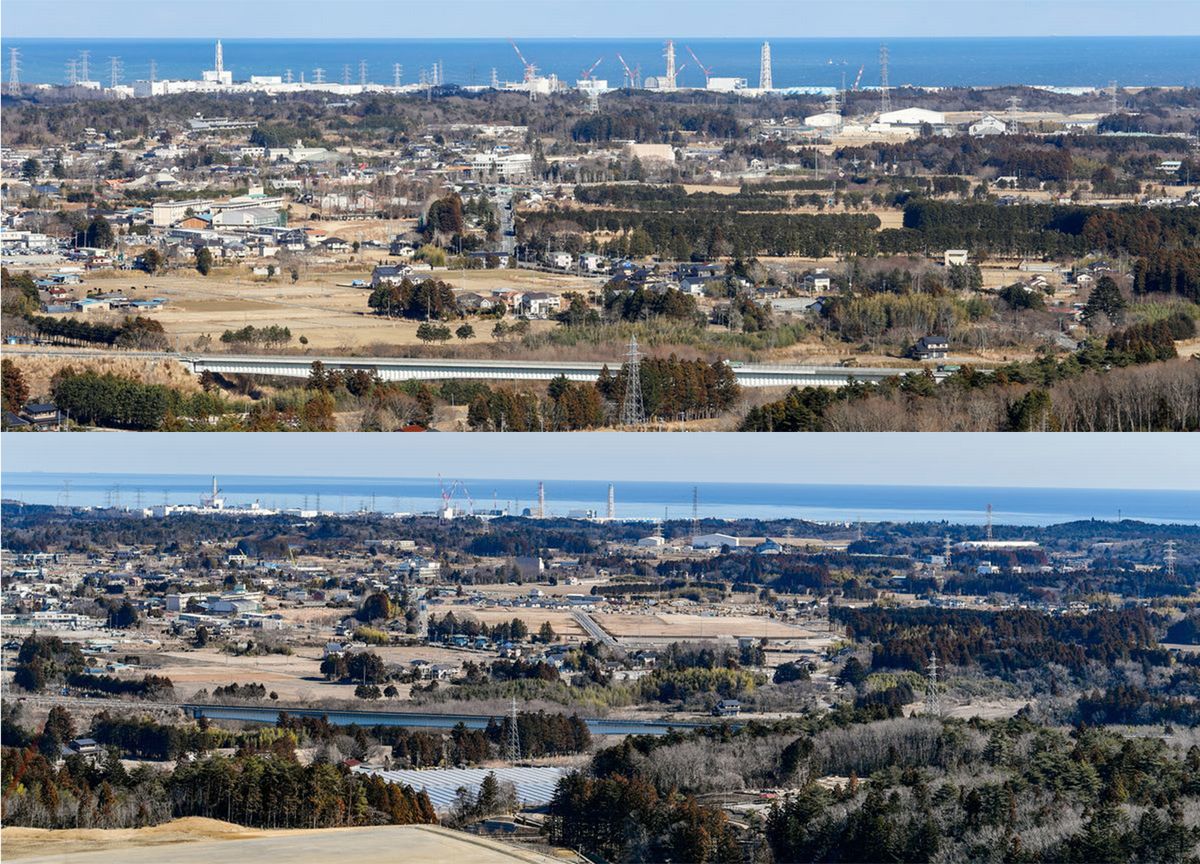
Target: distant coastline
[{"x": 1056, "y": 62}]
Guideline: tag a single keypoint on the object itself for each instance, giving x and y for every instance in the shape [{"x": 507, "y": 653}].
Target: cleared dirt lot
[
  {"x": 207, "y": 841},
  {"x": 681, "y": 626}
]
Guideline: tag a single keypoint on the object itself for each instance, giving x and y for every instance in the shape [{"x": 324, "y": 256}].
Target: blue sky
[
  {"x": 596, "y": 18},
  {"x": 1101, "y": 461}
]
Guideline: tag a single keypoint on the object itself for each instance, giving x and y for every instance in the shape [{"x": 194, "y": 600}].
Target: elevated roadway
[{"x": 441, "y": 369}]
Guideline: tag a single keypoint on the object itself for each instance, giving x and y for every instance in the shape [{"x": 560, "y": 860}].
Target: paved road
[
  {"x": 589, "y": 626},
  {"x": 433, "y": 368}
]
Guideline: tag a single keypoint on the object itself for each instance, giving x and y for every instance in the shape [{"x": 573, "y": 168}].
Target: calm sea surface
[
  {"x": 1047, "y": 61},
  {"x": 648, "y": 500}
]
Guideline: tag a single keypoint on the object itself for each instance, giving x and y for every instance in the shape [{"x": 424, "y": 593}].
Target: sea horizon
[
  {"x": 798, "y": 62},
  {"x": 635, "y": 500}
]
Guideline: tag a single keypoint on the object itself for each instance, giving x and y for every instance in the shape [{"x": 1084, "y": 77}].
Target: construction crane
[
  {"x": 705, "y": 69},
  {"x": 858, "y": 77},
  {"x": 587, "y": 73},
  {"x": 530, "y": 69},
  {"x": 629, "y": 76}
]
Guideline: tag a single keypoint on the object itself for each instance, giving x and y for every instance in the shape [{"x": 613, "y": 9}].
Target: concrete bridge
[
  {"x": 439, "y": 369},
  {"x": 442, "y": 369}
]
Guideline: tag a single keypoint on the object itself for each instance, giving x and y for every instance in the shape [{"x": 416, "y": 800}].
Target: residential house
[{"x": 931, "y": 348}]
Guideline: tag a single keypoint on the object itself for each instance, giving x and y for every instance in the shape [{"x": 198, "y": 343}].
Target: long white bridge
[
  {"x": 441, "y": 369},
  {"x": 438, "y": 369}
]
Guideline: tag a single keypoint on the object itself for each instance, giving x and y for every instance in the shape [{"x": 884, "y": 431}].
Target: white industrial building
[
  {"x": 714, "y": 541},
  {"x": 824, "y": 120},
  {"x": 912, "y": 117}
]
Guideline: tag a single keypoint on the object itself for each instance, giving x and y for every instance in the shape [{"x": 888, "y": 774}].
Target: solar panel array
[{"x": 534, "y": 785}]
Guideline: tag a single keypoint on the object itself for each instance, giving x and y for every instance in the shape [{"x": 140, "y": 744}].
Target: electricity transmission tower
[
  {"x": 633, "y": 412},
  {"x": 764, "y": 68},
  {"x": 514, "y": 736},
  {"x": 933, "y": 699},
  {"x": 989, "y": 522},
  {"x": 14, "y": 72},
  {"x": 397, "y": 74},
  {"x": 1169, "y": 559},
  {"x": 695, "y": 510},
  {"x": 362, "y": 73}
]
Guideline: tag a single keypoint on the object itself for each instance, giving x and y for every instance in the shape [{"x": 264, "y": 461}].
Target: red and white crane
[
  {"x": 707, "y": 70},
  {"x": 858, "y": 77},
  {"x": 587, "y": 73},
  {"x": 630, "y": 78},
  {"x": 530, "y": 69}
]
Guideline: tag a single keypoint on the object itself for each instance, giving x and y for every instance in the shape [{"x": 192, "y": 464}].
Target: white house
[{"x": 987, "y": 125}]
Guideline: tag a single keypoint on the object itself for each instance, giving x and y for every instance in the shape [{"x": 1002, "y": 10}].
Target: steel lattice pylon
[{"x": 633, "y": 412}]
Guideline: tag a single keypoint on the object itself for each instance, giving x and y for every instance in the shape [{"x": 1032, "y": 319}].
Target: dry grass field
[
  {"x": 209, "y": 841},
  {"x": 319, "y": 306}
]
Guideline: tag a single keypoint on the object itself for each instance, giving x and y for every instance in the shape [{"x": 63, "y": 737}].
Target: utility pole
[{"x": 633, "y": 412}]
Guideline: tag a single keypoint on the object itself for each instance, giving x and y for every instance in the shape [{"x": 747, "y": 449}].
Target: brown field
[
  {"x": 560, "y": 620},
  {"x": 681, "y": 626},
  {"x": 297, "y": 677},
  {"x": 208, "y": 841},
  {"x": 320, "y": 306}
]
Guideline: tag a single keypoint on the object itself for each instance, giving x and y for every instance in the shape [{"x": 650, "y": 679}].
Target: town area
[
  {"x": 731, "y": 683},
  {"x": 277, "y": 254}
]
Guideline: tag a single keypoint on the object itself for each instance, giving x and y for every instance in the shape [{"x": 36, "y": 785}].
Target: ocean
[
  {"x": 927, "y": 62},
  {"x": 634, "y": 500}
]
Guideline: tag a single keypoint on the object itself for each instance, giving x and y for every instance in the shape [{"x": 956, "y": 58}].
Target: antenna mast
[{"x": 633, "y": 412}]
